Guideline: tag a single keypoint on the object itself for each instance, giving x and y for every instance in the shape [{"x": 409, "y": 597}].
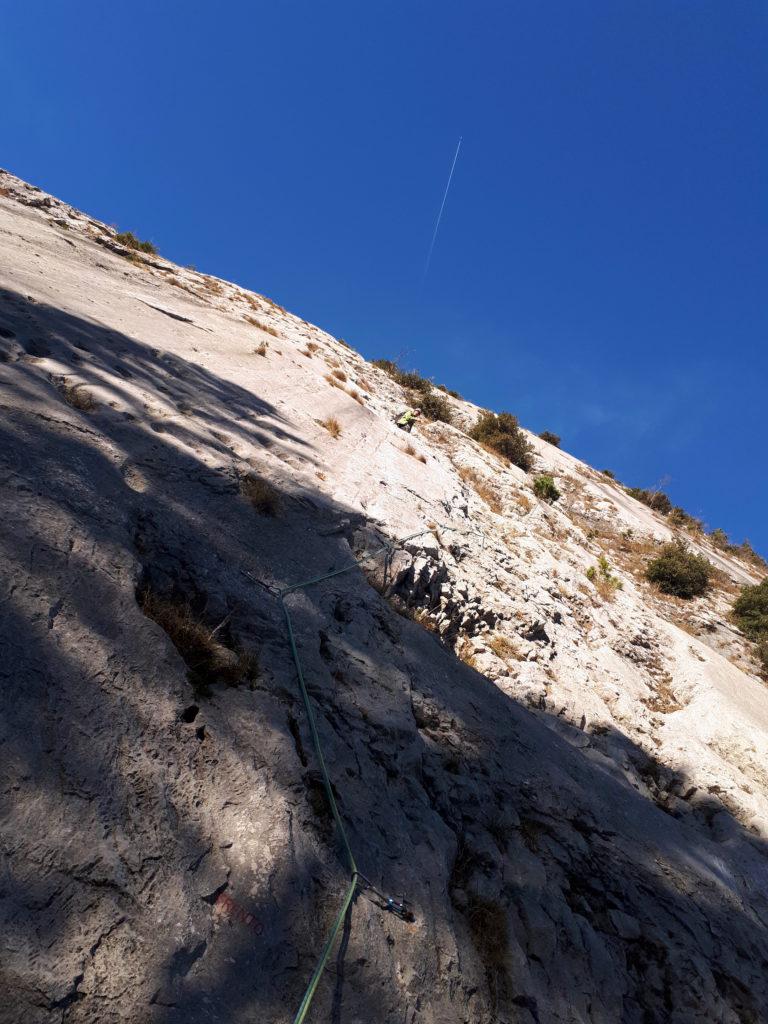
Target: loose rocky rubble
[{"x": 569, "y": 788}]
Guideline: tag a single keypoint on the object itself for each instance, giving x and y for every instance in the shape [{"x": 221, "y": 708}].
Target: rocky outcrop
[{"x": 567, "y": 786}]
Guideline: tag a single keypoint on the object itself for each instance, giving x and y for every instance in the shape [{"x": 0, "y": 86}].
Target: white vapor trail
[{"x": 439, "y": 216}]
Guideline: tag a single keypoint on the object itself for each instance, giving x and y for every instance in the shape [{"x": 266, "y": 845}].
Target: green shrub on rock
[
  {"x": 405, "y": 378},
  {"x": 501, "y": 432},
  {"x": 750, "y": 611},
  {"x": 130, "y": 240},
  {"x": 679, "y": 571},
  {"x": 603, "y": 578},
  {"x": 550, "y": 438},
  {"x": 657, "y": 500},
  {"x": 544, "y": 487},
  {"x": 762, "y": 653},
  {"x": 435, "y": 407}
]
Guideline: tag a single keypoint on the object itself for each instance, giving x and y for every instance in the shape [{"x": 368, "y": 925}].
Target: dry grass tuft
[
  {"x": 128, "y": 239},
  {"x": 267, "y": 328},
  {"x": 261, "y": 350},
  {"x": 353, "y": 394},
  {"x": 261, "y": 494},
  {"x": 332, "y": 425},
  {"x": 524, "y": 503},
  {"x": 489, "y": 496},
  {"x": 332, "y": 381},
  {"x": 488, "y": 924},
  {"x": 78, "y": 397},
  {"x": 410, "y": 450},
  {"x": 503, "y": 648},
  {"x": 481, "y": 488},
  {"x": 207, "y": 658},
  {"x": 340, "y": 375},
  {"x": 464, "y": 653},
  {"x": 603, "y": 579}
]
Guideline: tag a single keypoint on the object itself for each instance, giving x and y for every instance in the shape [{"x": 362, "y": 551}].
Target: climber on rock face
[{"x": 408, "y": 418}]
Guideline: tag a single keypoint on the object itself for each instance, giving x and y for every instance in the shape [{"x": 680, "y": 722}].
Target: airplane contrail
[{"x": 439, "y": 216}]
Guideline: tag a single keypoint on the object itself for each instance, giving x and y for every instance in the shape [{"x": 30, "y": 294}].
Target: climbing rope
[{"x": 357, "y": 881}]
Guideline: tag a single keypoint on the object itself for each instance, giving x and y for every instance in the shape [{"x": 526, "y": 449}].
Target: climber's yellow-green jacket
[{"x": 408, "y": 418}]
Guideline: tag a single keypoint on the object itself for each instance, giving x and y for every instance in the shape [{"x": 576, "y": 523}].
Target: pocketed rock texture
[{"x": 566, "y": 780}]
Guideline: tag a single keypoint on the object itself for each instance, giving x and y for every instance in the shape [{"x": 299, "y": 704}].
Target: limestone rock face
[{"x": 567, "y": 784}]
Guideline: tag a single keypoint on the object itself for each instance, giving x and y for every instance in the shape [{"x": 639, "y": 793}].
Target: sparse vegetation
[
  {"x": 524, "y": 503},
  {"x": 679, "y": 517},
  {"x": 261, "y": 494},
  {"x": 486, "y": 919},
  {"x": 267, "y": 328},
  {"x": 503, "y": 648},
  {"x": 750, "y": 611},
  {"x": 435, "y": 407},
  {"x": 550, "y": 438},
  {"x": 340, "y": 375},
  {"x": 414, "y": 381},
  {"x": 128, "y": 239},
  {"x": 501, "y": 432},
  {"x": 387, "y": 365},
  {"x": 747, "y": 552},
  {"x": 261, "y": 350},
  {"x": 332, "y": 425},
  {"x": 609, "y": 473},
  {"x": 762, "y": 654},
  {"x": 544, "y": 487},
  {"x": 655, "y": 499},
  {"x": 274, "y": 305},
  {"x": 207, "y": 658},
  {"x": 605, "y": 582},
  {"x": 679, "y": 571},
  {"x": 410, "y": 379},
  {"x": 482, "y": 488},
  {"x": 410, "y": 450},
  {"x": 660, "y": 502},
  {"x": 722, "y": 542}
]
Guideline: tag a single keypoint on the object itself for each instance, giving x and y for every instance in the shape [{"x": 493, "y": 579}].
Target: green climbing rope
[{"x": 354, "y": 874}]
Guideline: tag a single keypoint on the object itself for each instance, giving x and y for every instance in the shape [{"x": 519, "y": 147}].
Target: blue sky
[{"x": 601, "y": 265}]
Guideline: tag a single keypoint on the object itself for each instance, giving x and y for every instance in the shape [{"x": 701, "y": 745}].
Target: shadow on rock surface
[{"x": 549, "y": 878}]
